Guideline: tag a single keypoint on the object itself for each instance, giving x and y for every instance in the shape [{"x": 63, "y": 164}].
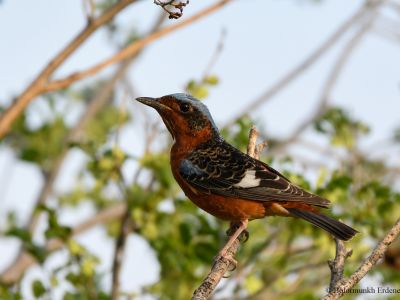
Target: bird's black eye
[{"x": 185, "y": 107}]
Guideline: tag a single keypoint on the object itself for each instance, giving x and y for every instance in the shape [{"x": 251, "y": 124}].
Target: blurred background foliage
[{"x": 283, "y": 259}]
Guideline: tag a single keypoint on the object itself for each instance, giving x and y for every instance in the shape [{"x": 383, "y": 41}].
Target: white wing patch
[{"x": 249, "y": 180}]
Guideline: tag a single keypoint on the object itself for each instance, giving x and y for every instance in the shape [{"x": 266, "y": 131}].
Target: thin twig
[
  {"x": 132, "y": 48},
  {"x": 13, "y": 273},
  {"x": 101, "y": 98},
  {"x": 125, "y": 229},
  {"x": 222, "y": 264},
  {"x": 337, "y": 265},
  {"x": 346, "y": 284},
  {"x": 42, "y": 85},
  {"x": 303, "y": 66},
  {"x": 217, "y": 52},
  {"x": 88, "y": 9},
  {"x": 331, "y": 81},
  {"x": 177, "y": 5},
  {"x": 251, "y": 146}
]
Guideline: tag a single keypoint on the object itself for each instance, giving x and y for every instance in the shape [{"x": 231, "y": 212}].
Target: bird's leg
[
  {"x": 237, "y": 229},
  {"x": 232, "y": 229}
]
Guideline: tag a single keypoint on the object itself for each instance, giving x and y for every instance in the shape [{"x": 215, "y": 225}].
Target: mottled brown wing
[{"x": 221, "y": 169}]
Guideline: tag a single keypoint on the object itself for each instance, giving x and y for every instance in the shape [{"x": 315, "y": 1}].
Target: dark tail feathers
[{"x": 334, "y": 227}]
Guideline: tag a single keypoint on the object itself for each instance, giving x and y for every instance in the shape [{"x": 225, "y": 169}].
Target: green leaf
[
  {"x": 20, "y": 233},
  {"x": 211, "y": 80},
  {"x": 38, "y": 288},
  {"x": 342, "y": 129},
  {"x": 253, "y": 284}
]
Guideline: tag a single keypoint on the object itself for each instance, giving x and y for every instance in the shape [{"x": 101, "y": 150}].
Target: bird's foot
[
  {"x": 244, "y": 235},
  {"x": 225, "y": 256}
]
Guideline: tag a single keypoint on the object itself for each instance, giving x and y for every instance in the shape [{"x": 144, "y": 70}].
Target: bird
[{"x": 227, "y": 183}]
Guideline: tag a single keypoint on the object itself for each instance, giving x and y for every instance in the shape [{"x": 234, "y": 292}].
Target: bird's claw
[
  {"x": 243, "y": 237},
  {"x": 232, "y": 262}
]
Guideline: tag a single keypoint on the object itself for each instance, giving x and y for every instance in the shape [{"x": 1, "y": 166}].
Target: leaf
[
  {"x": 211, "y": 80},
  {"x": 253, "y": 284},
  {"x": 75, "y": 248},
  {"x": 38, "y": 288},
  {"x": 73, "y": 278},
  {"x": 88, "y": 267},
  {"x": 20, "y": 233},
  {"x": 30, "y": 146},
  {"x": 342, "y": 129}
]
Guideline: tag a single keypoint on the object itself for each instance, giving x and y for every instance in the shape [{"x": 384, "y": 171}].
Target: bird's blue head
[{"x": 184, "y": 115}]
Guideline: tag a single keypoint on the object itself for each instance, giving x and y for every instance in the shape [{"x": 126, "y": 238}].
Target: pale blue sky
[{"x": 265, "y": 39}]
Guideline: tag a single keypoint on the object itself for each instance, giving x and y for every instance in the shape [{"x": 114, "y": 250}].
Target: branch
[
  {"x": 337, "y": 265},
  {"x": 346, "y": 284},
  {"x": 217, "y": 52},
  {"x": 303, "y": 66},
  {"x": 99, "y": 101},
  {"x": 96, "y": 104},
  {"x": 332, "y": 79},
  {"x": 119, "y": 252},
  {"x": 132, "y": 48},
  {"x": 221, "y": 264},
  {"x": 39, "y": 83},
  {"x": 175, "y": 10},
  {"x": 126, "y": 227},
  {"x": 14, "y": 272}
]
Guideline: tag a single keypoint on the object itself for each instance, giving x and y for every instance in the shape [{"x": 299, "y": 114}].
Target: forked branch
[{"x": 343, "y": 285}]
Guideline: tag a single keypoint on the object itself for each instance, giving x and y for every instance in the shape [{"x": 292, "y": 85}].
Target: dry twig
[
  {"x": 125, "y": 229},
  {"x": 38, "y": 85},
  {"x": 304, "y": 65},
  {"x": 333, "y": 77},
  {"x": 337, "y": 265},
  {"x": 42, "y": 84},
  {"x": 173, "y": 7},
  {"x": 344, "y": 285},
  {"x": 98, "y": 102},
  {"x": 16, "y": 270},
  {"x": 131, "y": 49}
]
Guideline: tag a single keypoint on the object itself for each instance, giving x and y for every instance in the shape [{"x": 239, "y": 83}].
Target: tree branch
[
  {"x": 132, "y": 48},
  {"x": 332, "y": 79},
  {"x": 42, "y": 85},
  {"x": 172, "y": 7},
  {"x": 126, "y": 227},
  {"x": 221, "y": 264},
  {"x": 303, "y": 66},
  {"x": 39, "y": 83},
  {"x": 99, "y": 101},
  {"x": 13, "y": 273},
  {"x": 101, "y": 98},
  {"x": 337, "y": 265},
  {"x": 346, "y": 284}
]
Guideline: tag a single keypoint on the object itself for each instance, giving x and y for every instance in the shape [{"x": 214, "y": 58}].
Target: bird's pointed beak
[{"x": 153, "y": 102}]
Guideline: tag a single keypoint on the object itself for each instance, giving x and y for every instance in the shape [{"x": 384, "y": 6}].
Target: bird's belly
[{"x": 231, "y": 209}]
